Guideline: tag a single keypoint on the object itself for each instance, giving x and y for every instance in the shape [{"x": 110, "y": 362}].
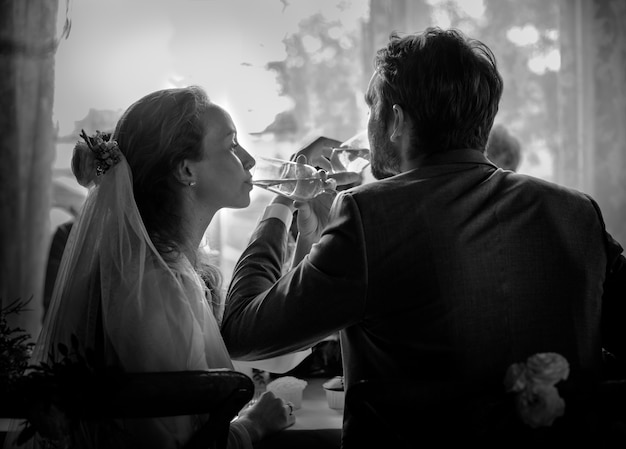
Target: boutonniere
[{"x": 537, "y": 400}]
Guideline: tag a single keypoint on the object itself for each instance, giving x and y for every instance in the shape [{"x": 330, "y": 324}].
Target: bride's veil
[{"x": 108, "y": 251}]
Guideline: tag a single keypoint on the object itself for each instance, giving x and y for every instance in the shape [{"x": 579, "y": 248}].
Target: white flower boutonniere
[{"x": 537, "y": 400}]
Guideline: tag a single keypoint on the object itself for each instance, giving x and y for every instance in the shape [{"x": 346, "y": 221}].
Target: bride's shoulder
[
  {"x": 183, "y": 271},
  {"x": 173, "y": 273}
]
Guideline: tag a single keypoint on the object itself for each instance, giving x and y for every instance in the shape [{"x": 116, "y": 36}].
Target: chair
[
  {"x": 219, "y": 393},
  {"x": 401, "y": 413}
]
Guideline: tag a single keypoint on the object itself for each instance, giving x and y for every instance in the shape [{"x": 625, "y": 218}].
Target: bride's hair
[{"x": 155, "y": 134}]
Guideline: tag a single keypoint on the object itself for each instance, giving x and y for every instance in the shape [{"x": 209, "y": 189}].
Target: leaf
[{"x": 16, "y": 341}]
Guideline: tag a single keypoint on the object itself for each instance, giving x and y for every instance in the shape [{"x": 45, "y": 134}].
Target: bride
[{"x": 132, "y": 283}]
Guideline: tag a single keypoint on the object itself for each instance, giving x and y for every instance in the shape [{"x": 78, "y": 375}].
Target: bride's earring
[{"x": 192, "y": 183}]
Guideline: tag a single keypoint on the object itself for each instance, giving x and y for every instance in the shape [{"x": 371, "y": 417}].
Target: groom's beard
[{"x": 385, "y": 160}]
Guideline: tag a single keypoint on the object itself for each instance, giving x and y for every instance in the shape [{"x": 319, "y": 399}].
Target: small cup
[
  {"x": 289, "y": 389},
  {"x": 335, "y": 394}
]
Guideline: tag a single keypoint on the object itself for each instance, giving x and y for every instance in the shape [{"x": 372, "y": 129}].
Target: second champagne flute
[
  {"x": 352, "y": 155},
  {"x": 300, "y": 182}
]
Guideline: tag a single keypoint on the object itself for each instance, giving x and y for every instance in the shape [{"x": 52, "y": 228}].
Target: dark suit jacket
[{"x": 449, "y": 272}]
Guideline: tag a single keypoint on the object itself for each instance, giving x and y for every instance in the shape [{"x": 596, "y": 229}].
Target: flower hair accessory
[
  {"x": 94, "y": 156},
  {"x": 537, "y": 400}
]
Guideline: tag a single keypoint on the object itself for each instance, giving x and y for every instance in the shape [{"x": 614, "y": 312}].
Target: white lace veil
[
  {"x": 120, "y": 298},
  {"x": 110, "y": 257}
]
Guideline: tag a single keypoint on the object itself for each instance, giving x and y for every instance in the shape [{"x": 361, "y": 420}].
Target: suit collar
[{"x": 463, "y": 156}]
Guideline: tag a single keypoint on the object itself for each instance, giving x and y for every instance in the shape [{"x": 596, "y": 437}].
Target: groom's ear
[
  {"x": 185, "y": 173},
  {"x": 399, "y": 124}
]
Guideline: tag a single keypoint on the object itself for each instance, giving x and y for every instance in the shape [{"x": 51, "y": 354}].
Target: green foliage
[{"x": 15, "y": 348}]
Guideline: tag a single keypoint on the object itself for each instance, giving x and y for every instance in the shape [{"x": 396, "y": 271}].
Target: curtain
[
  {"x": 27, "y": 47},
  {"x": 592, "y": 105}
]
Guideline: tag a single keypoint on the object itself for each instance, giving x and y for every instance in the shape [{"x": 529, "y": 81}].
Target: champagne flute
[
  {"x": 352, "y": 155},
  {"x": 297, "y": 181},
  {"x": 349, "y": 159}
]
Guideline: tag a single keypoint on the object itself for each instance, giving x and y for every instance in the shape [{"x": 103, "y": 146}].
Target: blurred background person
[{"x": 504, "y": 149}]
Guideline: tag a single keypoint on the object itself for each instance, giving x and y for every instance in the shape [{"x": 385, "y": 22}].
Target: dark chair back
[{"x": 219, "y": 393}]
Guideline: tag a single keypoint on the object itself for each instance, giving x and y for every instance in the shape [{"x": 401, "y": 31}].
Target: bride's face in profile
[{"x": 223, "y": 174}]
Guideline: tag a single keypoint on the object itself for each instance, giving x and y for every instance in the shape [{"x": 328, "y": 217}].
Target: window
[{"x": 290, "y": 71}]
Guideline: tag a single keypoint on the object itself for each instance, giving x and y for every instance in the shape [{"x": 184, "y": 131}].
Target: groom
[{"x": 445, "y": 271}]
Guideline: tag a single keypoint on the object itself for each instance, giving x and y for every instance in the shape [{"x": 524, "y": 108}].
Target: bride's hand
[{"x": 266, "y": 416}]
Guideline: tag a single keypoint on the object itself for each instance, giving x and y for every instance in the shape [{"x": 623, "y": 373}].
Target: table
[
  {"x": 317, "y": 425},
  {"x": 315, "y": 413}
]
